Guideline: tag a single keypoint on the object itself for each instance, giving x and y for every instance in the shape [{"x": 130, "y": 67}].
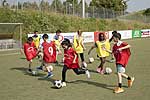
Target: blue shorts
[{"x": 120, "y": 68}]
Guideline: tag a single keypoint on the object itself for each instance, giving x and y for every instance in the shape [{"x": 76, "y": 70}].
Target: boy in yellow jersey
[
  {"x": 79, "y": 46},
  {"x": 57, "y": 39},
  {"x": 100, "y": 49}
]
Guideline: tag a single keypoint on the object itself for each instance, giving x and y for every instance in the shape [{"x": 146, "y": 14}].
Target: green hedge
[{"x": 50, "y": 22}]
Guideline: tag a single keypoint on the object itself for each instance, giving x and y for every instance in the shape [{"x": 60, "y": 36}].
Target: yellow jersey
[
  {"x": 77, "y": 41},
  {"x": 100, "y": 45},
  {"x": 36, "y": 41}
]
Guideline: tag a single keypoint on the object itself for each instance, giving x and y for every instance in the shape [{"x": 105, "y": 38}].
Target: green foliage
[
  {"x": 117, "y": 5},
  {"x": 50, "y": 22},
  {"x": 147, "y": 12}
]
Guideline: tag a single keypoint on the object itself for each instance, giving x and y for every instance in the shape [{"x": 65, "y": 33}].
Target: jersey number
[{"x": 50, "y": 50}]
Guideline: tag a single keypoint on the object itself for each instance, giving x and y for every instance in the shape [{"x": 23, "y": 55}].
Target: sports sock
[
  {"x": 129, "y": 78},
  {"x": 120, "y": 85}
]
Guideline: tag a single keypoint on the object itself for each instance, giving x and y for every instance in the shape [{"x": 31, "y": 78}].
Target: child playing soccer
[
  {"x": 49, "y": 56},
  {"x": 71, "y": 61},
  {"x": 121, "y": 51},
  {"x": 30, "y": 52},
  {"x": 79, "y": 46},
  {"x": 102, "y": 54}
]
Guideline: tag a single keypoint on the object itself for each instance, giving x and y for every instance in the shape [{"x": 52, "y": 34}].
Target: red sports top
[
  {"x": 30, "y": 51},
  {"x": 69, "y": 56},
  {"x": 49, "y": 50},
  {"x": 122, "y": 57}
]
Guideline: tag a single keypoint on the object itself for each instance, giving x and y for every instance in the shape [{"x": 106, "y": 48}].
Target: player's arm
[
  {"x": 125, "y": 47},
  {"x": 94, "y": 46},
  {"x": 82, "y": 45}
]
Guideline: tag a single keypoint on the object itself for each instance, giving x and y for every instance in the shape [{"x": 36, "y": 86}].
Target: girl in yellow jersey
[
  {"x": 79, "y": 46},
  {"x": 100, "y": 46}
]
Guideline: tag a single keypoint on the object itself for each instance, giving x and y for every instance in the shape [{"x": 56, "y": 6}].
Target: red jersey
[
  {"x": 49, "y": 50},
  {"x": 69, "y": 56},
  {"x": 30, "y": 51},
  {"x": 121, "y": 57}
]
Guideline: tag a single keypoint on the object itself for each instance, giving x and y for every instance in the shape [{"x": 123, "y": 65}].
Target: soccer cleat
[
  {"x": 130, "y": 82},
  {"x": 39, "y": 68},
  {"x": 87, "y": 73},
  {"x": 64, "y": 84},
  {"x": 98, "y": 70},
  {"x": 29, "y": 70},
  {"x": 49, "y": 76},
  {"x": 118, "y": 90}
]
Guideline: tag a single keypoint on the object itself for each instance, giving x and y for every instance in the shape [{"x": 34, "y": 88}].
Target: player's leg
[
  {"x": 79, "y": 71},
  {"x": 100, "y": 68},
  {"x": 48, "y": 69},
  {"x": 30, "y": 65},
  {"x": 120, "y": 71},
  {"x": 84, "y": 65},
  {"x": 129, "y": 78},
  {"x": 64, "y": 70}
]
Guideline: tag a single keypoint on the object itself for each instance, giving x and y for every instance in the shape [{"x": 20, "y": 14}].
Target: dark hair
[
  {"x": 117, "y": 35},
  {"x": 100, "y": 37},
  {"x": 114, "y": 32},
  {"x": 30, "y": 39},
  {"x": 58, "y": 31},
  {"x": 66, "y": 42},
  {"x": 35, "y": 31},
  {"x": 45, "y": 36},
  {"x": 79, "y": 31},
  {"x": 65, "y": 39}
]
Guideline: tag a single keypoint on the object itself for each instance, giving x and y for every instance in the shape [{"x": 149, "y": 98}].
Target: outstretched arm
[{"x": 91, "y": 49}]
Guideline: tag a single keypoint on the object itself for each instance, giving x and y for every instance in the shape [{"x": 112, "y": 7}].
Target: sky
[{"x": 133, "y": 5}]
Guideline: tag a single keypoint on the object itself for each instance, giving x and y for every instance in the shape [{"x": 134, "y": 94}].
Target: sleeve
[{"x": 124, "y": 43}]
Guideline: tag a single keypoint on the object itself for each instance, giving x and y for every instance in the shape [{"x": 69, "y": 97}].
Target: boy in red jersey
[
  {"x": 71, "y": 61},
  {"x": 49, "y": 55},
  {"x": 121, "y": 51},
  {"x": 30, "y": 51}
]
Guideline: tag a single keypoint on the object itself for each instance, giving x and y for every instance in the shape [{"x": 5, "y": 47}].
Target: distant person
[
  {"x": 57, "y": 39},
  {"x": 49, "y": 56},
  {"x": 30, "y": 52},
  {"x": 121, "y": 51},
  {"x": 79, "y": 46},
  {"x": 102, "y": 54},
  {"x": 71, "y": 61},
  {"x": 36, "y": 39}
]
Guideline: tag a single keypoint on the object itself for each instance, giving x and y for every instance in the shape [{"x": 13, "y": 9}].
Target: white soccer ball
[
  {"x": 108, "y": 70},
  {"x": 58, "y": 84},
  {"x": 34, "y": 73},
  {"x": 91, "y": 59}
]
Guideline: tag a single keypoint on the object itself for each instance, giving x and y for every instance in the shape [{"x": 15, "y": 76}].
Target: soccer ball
[
  {"x": 91, "y": 59},
  {"x": 84, "y": 64},
  {"x": 34, "y": 73},
  {"x": 58, "y": 84},
  {"x": 108, "y": 70}
]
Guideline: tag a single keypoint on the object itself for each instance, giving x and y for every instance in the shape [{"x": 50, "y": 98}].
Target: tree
[
  {"x": 147, "y": 12},
  {"x": 57, "y": 6},
  {"x": 5, "y": 3},
  {"x": 116, "y": 5}
]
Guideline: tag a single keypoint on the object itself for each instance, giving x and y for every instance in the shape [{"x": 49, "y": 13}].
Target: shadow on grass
[
  {"x": 25, "y": 71},
  {"x": 105, "y": 86},
  {"x": 22, "y": 58}
]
